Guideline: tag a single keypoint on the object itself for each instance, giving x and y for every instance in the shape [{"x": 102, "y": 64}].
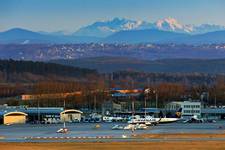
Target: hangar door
[{"x": 15, "y": 118}]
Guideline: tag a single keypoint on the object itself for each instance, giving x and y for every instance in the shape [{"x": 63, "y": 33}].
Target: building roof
[
  {"x": 182, "y": 102},
  {"x": 34, "y": 110},
  {"x": 45, "y": 110},
  {"x": 125, "y": 94},
  {"x": 31, "y": 110},
  {"x": 15, "y": 113},
  {"x": 71, "y": 111},
  {"x": 9, "y": 112},
  {"x": 150, "y": 110},
  {"x": 213, "y": 111}
]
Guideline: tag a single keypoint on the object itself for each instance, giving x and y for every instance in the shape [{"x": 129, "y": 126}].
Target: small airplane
[
  {"x": 136, "y": 127},
  {"x": 62, "y": 130},
  {"x": 117, "y": 127},
  {"x": 193, "y": 119}
]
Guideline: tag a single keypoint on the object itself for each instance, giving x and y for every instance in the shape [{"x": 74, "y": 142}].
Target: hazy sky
[{"x": 69, "y": 15}]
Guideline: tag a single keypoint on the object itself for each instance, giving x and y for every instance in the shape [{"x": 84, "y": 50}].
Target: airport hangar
[
  {"x": 20, "y": 115},
  {"x": 12, "y": 117}
]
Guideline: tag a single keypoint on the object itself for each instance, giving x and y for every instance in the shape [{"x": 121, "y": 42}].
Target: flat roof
[
  {"x": 31, "y": 110},
  {"x": 150, "y": 110},
  {"x": 213, "y": 110},
  {"x": 14, "y": 113},
  {"x": 125, "y": 94},
  {"x": 71, "y": 110},
  {"x": 8, "y": 112}
]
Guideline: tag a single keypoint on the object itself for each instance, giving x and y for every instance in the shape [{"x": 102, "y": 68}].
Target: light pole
[
  {"x": 95, "y": 99},
  {"x": 95, "y": 103},
  {"x": 145, "y": 106},
  {"x": 38, "y": 112},
  {"x": 147, "y": 91},
  {"x": 64, "y": 108},
  {"x": 133, "y": 109},
  {"x": 215, "y": 100},
  {"x": 156, "y": 98}
]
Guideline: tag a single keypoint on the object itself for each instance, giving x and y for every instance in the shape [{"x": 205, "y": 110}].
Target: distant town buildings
[{"x": 49, "y": 96}]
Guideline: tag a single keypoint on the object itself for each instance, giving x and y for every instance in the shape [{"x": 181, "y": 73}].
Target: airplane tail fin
[
  {"x": 161, "y": 115},
  {"x": 179, "y": 113},
  {"x": 170, "y": 115}
]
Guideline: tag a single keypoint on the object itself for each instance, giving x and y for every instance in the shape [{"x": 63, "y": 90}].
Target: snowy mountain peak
[
  {"x": 105, "y": 28},
  {"x": 171, "y": 24}
]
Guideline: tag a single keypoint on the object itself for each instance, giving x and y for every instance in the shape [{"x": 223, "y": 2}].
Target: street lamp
[
  {"x": 156, "y": 98},
  {"x": 38, "y": 112},
  {"x": 147, "y": 91}
]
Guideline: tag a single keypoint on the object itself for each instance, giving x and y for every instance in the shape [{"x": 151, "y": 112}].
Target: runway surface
[{"x": 87, "y": 132}]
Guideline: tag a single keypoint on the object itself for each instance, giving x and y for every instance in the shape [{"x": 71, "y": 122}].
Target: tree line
[
  {"x": 43, "y": 78},
  {"x": 20, "y": 71}
]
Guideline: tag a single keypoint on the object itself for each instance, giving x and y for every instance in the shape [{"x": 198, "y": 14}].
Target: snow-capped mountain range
[
  {"x": 106, "y": 28},
  {"x": 117, "y": 30}
]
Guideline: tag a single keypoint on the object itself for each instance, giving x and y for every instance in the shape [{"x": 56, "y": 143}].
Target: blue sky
[{"x": 69, "y": 15}]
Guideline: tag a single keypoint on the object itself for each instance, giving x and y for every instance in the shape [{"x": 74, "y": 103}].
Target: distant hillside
[
  {"x": 23, "y": 36},
  {"x": 210, "y": 37},
  {"x": 144, "y": 36},
  {"x": 158, "y": 36},
  {"x": 29, "y": 71},
  {"x": 110, "y": 64}
]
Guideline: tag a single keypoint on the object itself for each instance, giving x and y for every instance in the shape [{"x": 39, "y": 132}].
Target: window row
[
  {"x": 191, "y": 106},
  {"x": 191, "y": 111}
]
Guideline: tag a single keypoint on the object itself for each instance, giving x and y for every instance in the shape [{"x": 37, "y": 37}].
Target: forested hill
[
  {"x": 20, "y": 70},
  {"x": 113, "y": 64}
]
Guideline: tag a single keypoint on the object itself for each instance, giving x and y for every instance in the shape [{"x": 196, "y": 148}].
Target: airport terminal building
[{"x": 190, "y": 108}]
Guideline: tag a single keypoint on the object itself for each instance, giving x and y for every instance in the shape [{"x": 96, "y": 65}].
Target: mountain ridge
[
  {"x": 144, "y": 36},
  {"x": 20, "y": 36},
  {"x": 23, "y": 36},
  {"x": 109, "y": 27}
]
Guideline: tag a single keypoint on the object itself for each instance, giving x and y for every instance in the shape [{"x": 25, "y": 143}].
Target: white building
[
  {"x": 71, "y": 115},
  {"x": 189, "y": 108}
]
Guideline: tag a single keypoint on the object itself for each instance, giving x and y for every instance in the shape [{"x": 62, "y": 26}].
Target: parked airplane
[
  {"x": 112, "y": 119},
  {"x": 147, "y": 120}
]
